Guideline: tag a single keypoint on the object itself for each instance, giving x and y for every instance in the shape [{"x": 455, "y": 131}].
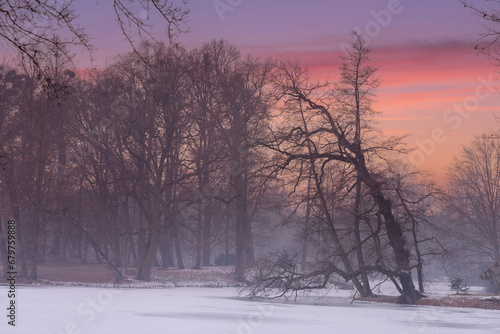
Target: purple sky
[{"x": 295, "y": 25}]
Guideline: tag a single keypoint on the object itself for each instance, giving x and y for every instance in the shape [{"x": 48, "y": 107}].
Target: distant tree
[
  {"x": 30, "y": 169},
  {"x": 95, "y": 206},
  {"x": 11, "y": 91},
  {"x": 458, "y": 285},
  {"x": 149, "y": 151},
  {"x": 474, "y": 199},
  {"x": 238, "y": 111},
  {"x": 205, "y": 147}
]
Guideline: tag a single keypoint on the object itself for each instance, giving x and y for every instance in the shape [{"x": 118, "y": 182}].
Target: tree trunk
[
  {"x": 86, "y": 248},
  {"x": 420, "y": 262},
  {"x": 166, "y": 249},
  {"x": 115, "y": 237},
  {"x": 56, "y": 243},
  {"x": 396, "y": 240},
  {"x": 357, "y": 235},
  {"x": 141, "y": 245},
  {"x": 306, "y": 227},
  {"x": 199, "y": 237},
  {"x": 339, "y": 250},
  {"x": 207, "y": 242},
  {"x": 31, "y": 248},
  {"x": 117, "y": 255},
  {"x": 226, "y": 235},
  {"x": 3, "y": 248},
  {"x": 133, "y": 252},
  {"x": 240, "y": 246},
  {"x": 153, "y": 240},
  {"x": 178, "y": 254},
  {"x": 244, "y": 243},
  {"x": 248, "y": 242}
]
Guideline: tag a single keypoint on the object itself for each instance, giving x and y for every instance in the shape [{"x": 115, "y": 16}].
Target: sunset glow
[{"x": 425, "y": 54}]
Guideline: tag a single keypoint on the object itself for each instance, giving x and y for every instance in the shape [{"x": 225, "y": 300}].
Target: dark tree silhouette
[
  {"x": 31, "y": 25},
  {"x": 489, "y": 11}
]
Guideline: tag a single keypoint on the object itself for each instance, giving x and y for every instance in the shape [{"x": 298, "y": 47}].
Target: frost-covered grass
[{"x": 202, "y": 310}]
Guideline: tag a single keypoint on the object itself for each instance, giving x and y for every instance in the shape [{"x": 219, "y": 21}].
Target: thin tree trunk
[
  {"x": 3, "y": 248},
  {"x": 178, "y": 254},
  {"x": 86, "y": 248},
  {"x": 164, "y": 251},
  {"x": 334, "y": 235},
  {"x": 118, "y": 275},
  {"x": 357, "y": 235},
  {"x": 330, "y": 223},
  {"x": 146, "y": 264},
  {"x": 420, "y": 262},
  {"x": 56, "y": 244},
  {"x": 226, "y": 236},
  {"x": 240, "y": 246},
  {"x": 133, "y": 252},
  {"x": 207, "y": 243},
  {"x": 306, "y": 227},
  {"x": 199, "y": 237}
]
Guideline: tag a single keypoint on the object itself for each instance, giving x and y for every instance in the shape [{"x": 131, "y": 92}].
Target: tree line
[{"x": 170, "y": 154}]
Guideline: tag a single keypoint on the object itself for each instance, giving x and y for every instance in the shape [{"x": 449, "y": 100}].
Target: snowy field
[{"x": 71, "y": 310}]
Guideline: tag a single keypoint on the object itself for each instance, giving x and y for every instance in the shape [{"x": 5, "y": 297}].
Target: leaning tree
[{"x": 321, "y": 130}]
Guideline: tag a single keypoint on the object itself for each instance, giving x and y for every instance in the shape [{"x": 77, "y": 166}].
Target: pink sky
[{"x": 421, "y": 85}]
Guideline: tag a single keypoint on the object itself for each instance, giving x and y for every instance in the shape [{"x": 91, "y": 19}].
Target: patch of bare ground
[
  {"x": 70, "y": 272},
  {"x": 73, "y": 272},
  {"x": 466, "y": 301}
]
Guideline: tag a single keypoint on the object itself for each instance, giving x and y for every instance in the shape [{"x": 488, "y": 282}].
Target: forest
[{"x": 189, "y": 158}]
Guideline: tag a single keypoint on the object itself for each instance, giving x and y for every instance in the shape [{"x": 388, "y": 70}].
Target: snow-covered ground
[{"x": 71, "y": 310}]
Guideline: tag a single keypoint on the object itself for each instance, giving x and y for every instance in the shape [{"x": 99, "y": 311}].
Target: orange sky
[{"x": 423, "y": 89}]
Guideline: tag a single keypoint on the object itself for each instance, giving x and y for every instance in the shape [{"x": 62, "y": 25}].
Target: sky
[{"x": 434, "y": 87}]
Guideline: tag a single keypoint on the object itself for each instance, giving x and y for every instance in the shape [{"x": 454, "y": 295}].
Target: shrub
[{"x": 458, "y": 285}]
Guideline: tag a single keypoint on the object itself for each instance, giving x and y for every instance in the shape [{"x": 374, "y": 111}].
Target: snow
[{"x": 68, "y": 310}]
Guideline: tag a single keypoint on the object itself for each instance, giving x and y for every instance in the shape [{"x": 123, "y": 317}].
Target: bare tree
[
  {"x": 10, "y": 94},
  {"x": 31, "y": 25},
  {"x": 244, "y": 112},
  {"x": 150, "y": 138},
  {"x": 132, "y": 26},
  {"x": 474, "y": 197},
  {"x": 229, "y": 111},
  {"x": 416, "y": 200},
  {"x": 30, "y": 172},
  {"x": 315, "y": 130},
  {"x": 354, "y": 95},
  {"x": 206, "y": 148},
  {"x": 489, "y": 11},
  {"x": 97, "y": 196}
]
